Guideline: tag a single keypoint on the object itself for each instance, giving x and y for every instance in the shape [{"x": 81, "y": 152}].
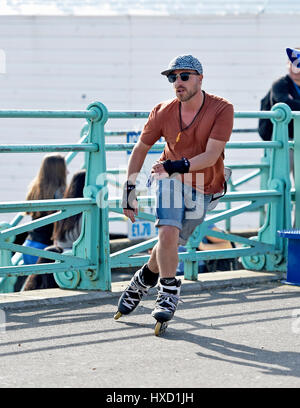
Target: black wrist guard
[
  {"x": 129, "y": 196},
  {"x": 177, "y": 166}
]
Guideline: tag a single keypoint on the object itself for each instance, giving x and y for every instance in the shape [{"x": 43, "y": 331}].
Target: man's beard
[{"x": 187, "y": 95}]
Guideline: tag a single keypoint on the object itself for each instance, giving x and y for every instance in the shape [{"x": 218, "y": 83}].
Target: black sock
[
  {"x": 168, "y": 281},
  {"x": 150, "y": 278},
  {"x": 165, "y": 282}
]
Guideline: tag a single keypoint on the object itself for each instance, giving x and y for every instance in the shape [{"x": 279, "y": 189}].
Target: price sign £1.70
[{"x": 141, "y": 229}]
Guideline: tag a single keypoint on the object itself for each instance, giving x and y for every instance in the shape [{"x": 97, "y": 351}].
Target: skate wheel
[
  {"x": 117, "y": 315},
  {"x": 160, "y": 328}
]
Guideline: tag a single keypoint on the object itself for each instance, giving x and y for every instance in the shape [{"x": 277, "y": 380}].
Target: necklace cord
[{"x": 194, "y": 118}]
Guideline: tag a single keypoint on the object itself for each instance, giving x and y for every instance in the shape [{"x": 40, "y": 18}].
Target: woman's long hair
[
  {"x": 75, "y": 190},
  {"x": 50, "y": 179}
]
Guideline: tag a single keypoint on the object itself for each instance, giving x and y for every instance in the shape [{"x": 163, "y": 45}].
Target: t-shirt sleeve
[
  {"x": 223, "y": 124},
  {"x": 152, "y": 131}
]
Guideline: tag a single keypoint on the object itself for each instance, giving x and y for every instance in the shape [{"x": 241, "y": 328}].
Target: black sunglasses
[{"x": 184, "y": 76}]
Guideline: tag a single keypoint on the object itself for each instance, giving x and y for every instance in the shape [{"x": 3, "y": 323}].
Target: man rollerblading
[{"x": 196, "y": 126}]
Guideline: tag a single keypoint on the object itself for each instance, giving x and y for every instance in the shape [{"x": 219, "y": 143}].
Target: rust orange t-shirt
[{"x": 215, "y": 121}]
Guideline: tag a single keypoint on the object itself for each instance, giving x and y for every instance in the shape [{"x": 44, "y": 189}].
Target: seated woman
[
  {"x": 65, "y": 233},
  {"x": 50, "y": 183}
]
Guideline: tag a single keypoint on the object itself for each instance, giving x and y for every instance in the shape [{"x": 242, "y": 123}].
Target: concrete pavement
[
  {"x": 234, "y": 329},
  {"x": 205, "y": 281}
]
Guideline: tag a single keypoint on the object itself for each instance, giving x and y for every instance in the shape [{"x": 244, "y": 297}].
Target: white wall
[{"x": 68, "y": 62}]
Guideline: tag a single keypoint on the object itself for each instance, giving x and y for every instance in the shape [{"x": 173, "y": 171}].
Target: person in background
[
  {"x": 50, "y": 183},
  {"x": 68, "y": 230},
  {"x": 210, "y": 243},
  {"x": 65, "y": 233},
  {"x": 286, "y": 89}
]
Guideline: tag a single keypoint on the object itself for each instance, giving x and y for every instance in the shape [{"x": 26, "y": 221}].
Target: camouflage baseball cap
[{"x": 184, "y": 62}]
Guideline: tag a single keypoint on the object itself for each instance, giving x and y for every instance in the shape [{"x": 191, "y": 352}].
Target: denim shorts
[{"x": 181, "y": 206}]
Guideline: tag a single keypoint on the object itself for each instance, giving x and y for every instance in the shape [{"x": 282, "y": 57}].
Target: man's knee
[{"x": 168, "y": 235}]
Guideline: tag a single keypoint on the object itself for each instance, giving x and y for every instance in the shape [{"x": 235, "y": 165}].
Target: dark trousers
[{"x": 44, "y": 281}]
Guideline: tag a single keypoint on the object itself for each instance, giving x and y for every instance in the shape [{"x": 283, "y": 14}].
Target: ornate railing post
[
  {"x": 191, "y": 267},
  {"x": 279, "y": 210},
  {"x": 96, "y": 187},
  {"x": 93, "y": 242}
]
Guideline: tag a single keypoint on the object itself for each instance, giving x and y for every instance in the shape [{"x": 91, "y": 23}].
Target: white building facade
[{"x": 67, "y": 55}]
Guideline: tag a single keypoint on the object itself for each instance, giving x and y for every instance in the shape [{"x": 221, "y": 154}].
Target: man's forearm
[
  {"x": 136, "y": 161},
  {"x": 214, "y": 150},
  {"x": 202, "y": 161},
  {"x": 196, "y": 163},
  {"x": 184, "y": 165},
  {"x": 135, "y": 164}
]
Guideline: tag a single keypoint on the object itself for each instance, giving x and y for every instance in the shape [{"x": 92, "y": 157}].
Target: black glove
[
  {"x": 177, "y": 166},
  {"x": 129, "y": 196}
]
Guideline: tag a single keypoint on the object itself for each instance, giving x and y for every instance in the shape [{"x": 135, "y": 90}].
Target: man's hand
[
  {"x": 158, "y": 171},
  {"x": 129, "y": 201},
  {"x": 169, "y": 167}
]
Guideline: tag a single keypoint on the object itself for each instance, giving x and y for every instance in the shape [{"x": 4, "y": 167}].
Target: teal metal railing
[{"x": 89, "y": 265}]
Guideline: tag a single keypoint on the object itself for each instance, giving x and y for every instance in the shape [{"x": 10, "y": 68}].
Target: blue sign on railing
[
  {"x": 142, "y": 229},
  {"x": 133, "y": 137}
]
